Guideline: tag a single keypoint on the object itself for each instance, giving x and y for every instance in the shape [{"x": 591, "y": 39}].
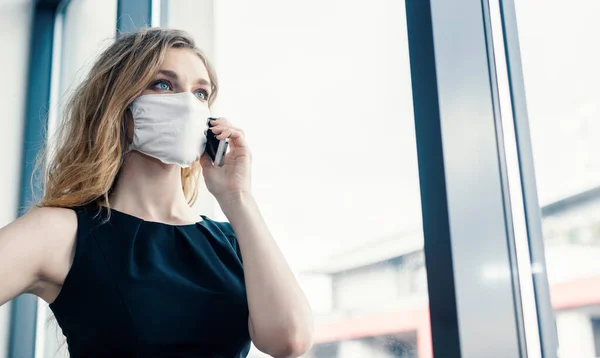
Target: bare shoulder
[
  {"x": 55, "y": 231},
  {"x": 49, "y": 214},
  {"x": 48, "y": 224},
  {"x": 34, "y": 250}
]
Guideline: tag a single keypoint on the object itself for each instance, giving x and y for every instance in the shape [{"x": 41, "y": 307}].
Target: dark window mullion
[{"x": 470, "y": 271}]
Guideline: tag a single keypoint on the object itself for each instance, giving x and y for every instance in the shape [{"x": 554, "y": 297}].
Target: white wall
[
  {"x": 15, "y": 20},
  {"x": 195, "y": 17}
]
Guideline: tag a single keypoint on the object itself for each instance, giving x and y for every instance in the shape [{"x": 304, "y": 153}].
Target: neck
[{"x": 151, "y": 190}]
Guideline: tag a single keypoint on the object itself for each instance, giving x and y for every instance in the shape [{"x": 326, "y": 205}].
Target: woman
[{"x": 127, "y": 266}]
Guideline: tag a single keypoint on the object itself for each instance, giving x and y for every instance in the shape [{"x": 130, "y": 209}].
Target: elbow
[
  {"x": 288, "y": 343},
  {"x": 292, "y": 348}
]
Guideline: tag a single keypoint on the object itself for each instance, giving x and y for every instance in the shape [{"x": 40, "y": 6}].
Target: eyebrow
[{"x": 173, "y": 76}]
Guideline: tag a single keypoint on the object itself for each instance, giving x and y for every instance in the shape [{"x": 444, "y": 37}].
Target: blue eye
[
  {"x": 201, "y": 94},
  {"x": 161, "y": 85}
]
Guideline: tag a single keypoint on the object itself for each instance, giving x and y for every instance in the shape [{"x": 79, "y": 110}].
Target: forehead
[{"x": 186, "y": 63}]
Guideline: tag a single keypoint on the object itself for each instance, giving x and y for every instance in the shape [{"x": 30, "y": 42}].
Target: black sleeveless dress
[{"x": 146, "y": 289}]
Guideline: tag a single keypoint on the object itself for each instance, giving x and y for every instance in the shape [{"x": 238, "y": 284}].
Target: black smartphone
[{"x": 216, "y": 149}]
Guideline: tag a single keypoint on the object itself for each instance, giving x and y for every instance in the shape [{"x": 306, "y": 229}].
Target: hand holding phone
[{"x": 216, "y": 149}]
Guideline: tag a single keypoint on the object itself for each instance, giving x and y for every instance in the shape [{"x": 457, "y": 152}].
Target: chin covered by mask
[{"x": 170, "y": 127}]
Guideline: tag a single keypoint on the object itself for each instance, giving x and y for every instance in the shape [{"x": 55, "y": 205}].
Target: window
[
  {"x": 561, "y": 76},
  {"x": 86, "y": 28},
  {"x": 323, "y": 91}
]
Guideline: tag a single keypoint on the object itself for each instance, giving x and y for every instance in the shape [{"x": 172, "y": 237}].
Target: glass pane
[
  {"x": 323, "y": 92},
  {"x": 560, "y": 65},
  {"x": 86, "y": 29}
]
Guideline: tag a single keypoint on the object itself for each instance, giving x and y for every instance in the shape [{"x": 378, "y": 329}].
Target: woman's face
[{"x": 181, "y": 71}]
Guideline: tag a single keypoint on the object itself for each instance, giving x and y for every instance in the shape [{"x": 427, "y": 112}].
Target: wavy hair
[{"x": 91, "y": 139}]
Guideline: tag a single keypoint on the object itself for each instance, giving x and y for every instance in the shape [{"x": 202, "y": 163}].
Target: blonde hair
[{"x": 92, "y": 140}]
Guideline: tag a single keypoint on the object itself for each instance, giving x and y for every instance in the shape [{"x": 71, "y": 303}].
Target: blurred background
[{"x": 323, "y": 90}]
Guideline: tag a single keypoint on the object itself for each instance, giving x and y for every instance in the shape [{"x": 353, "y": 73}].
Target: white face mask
[{"x": 170, "y": 127}]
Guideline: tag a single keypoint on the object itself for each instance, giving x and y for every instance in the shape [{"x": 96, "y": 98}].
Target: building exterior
[{"x": 391, "y": 318}]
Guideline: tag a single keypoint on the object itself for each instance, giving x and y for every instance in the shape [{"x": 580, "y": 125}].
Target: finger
[
  {"x": 237, "y": 139},
  {"x": 217, "y": 129},
  {"x": 221, "y": 128},
  {"x": 225, "y": 133},
  {"x": 221, "y": 121},
  {"x": 228, "y": 132}
]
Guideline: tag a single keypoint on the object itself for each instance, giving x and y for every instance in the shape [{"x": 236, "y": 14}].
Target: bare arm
[
  {"x": 30, "y": 247},
  {"x": 280, "y": 317}
]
